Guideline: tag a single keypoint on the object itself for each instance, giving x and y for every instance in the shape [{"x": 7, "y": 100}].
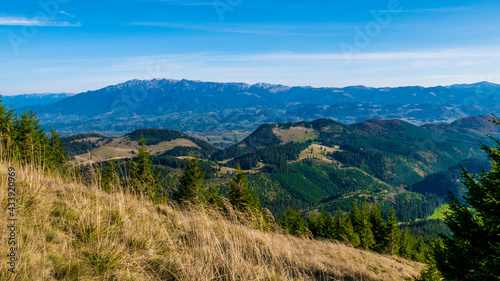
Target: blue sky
[{"x": 74, "y": 46}]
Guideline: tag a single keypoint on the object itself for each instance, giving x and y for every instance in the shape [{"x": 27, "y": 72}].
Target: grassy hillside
[
  {"x": 88, "y": 148},
  {"x": 70, "y": 231}
]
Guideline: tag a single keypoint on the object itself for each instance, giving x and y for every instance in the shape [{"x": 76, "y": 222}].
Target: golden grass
[
  {"x": 123, "y": 147},
  {"x": 317, "y": 153},
  {"x": 70, "y": 231},
  {"x": 297, "y": 134}
]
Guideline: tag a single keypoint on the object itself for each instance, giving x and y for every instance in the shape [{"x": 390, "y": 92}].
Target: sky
[{"x": 55, "y": 46}]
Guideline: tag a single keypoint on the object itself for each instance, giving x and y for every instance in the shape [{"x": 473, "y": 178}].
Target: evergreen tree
[
  {"x": 29, "y": 137},
  {"x": 240, "y": 195},
  {"x": 338, "y": 225},
  {"x": 313, "y": 224},
  {"x": 392, "y": 234},
  {"x": 191, "y": 182},
  {"x": 430, "y": 273},
  {"x": 6, "y": 127},
  {"x": 110, "y": 178},
  {"x": 365, "y": 232},
  {"x": 356, "y": 216},
  {"x": 378, "y": 229},
  {"x": 142, "y": 178},
  {"x": 57, "y": 155},
  {"x": 405, "y": 244},
  {"x": 473, "y": 250},
  {"x": 349, "y": 233},
  {"x": 322, "y": 227},
  {"x": 294, "y": 222},
  {"x": 330, "y": 231}
]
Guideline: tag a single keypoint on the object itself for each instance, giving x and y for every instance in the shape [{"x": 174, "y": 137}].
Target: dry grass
[
  {"x": 69, "y": 231},
  {"x": 317, "y": 152},
  {"x": 297, "y": 134},
  {"x": 123, "y": 148}
]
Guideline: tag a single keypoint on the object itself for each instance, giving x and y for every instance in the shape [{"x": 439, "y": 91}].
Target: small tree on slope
[
  {"x": 190, "y": 183},
  {"x": 240, "y": 195}
]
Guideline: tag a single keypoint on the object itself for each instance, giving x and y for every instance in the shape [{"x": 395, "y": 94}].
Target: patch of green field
[{"x": 439, "y": 212}]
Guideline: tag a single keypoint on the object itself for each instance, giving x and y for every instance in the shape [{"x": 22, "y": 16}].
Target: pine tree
[
  {"x": 313, "y": 224},
  {"x": 29, "y": 137},
  {"x": 365, "y": 233},
  {"x": 473, "y": 250},
  {"x": 405, "y": 244},
  {"x": 356, "y": 216},
  {"x": 240, "y": 195},
  {"x": 191, "y": 183},
  {"x": 392, "y": 234},
  {"x": 294, "y": 222},
  {"x": 338, "y": 224},
  {"x": 142, "y": 178},
  {"x": 110, "y": 178},
  {"x": 349, "y": 233},
  {"x": 6, "y": 127},
  {"x": 57, "y": 156},
  {"x": 430, "y": 273},
  {"x": 330, "y": 231},
  {"x": 378, "y": 229},
  {"x": 322, "y": 227}
]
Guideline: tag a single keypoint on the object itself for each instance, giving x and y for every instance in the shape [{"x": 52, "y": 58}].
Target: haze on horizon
[{"x": 74, "y": 46}]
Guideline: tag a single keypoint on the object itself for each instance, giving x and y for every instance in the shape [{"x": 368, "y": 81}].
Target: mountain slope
[
  {"x": 30, "y": 100},
  {"x": 87, "y": 148},
  {"x": 211, "y": 108},
  {"x": 75, "y": 232},
  {"x": 323, "y": 164}
]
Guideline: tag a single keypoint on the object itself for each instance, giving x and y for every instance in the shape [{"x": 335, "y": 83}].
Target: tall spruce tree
[
  {"x": 365, "y": 231},
  {"x": 142, "y": 178},
  {"x": 294, "y": 222},
  {"x": 6, "y": 127},
  {"x": 191, "y": 183},
  {"x": 313, "y": 224},
  {"x": 392, "y": 234},
  {"x": 356, "y": 216},
  {"x": 110, "y": 178},
  {"x": 378, "y": 229},
  {"x": 29, "y": 137},
  {"x": 338, "y": 225},
  {"x": 472, "y": 252},
  {"x": 405, "y": 244},
  {"x": 350, "y": 233},
  {"x": 240, "y": 194},
  {"x": 57, "y": 155}
]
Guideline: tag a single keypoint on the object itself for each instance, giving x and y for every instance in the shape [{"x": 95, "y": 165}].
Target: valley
[{"x": 321, "y": 164}]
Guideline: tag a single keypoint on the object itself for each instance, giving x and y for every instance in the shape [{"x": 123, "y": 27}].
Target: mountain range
[{"x": 224, "y": 113}]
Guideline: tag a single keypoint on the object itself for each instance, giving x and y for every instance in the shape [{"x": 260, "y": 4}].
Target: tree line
[
  {"x": 23, "y": 139},
  {"x": 363, "y": 228}
]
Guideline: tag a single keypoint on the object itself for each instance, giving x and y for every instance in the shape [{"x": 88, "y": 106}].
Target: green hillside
[{"x": 323, "y": 164}]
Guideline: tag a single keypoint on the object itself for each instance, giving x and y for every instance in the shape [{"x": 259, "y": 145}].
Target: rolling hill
[
  {"x": 215, "y": 110},
  {"x": 89, "y": 148},
  {"x": 321, "y": 164}
]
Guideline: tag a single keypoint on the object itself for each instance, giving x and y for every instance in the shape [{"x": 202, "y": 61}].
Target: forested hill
[
  {"x": 443, "y": 144},
  {"x": 321, "y": 164},
  {"x": 211, "y": 109}
]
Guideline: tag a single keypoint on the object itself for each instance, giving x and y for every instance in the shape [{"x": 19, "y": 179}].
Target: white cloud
[
  {"x": 66, "y": 13},
  {"x": 23, "y": 21}
]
